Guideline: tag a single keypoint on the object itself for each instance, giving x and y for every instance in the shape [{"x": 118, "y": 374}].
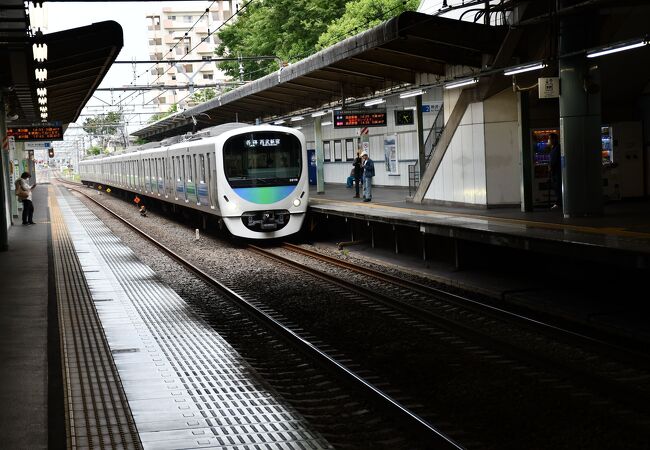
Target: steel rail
[
  {"x": 440, "y": 440},
  {"x": 623, "y": 393},
  {"x": 483, "y": 307}
]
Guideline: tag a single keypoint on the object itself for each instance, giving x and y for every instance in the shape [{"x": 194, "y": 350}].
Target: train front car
[{"x": 263, "y": 184}]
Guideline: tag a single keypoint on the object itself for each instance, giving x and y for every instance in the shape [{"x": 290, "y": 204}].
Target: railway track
[
  {"x": 426, "y": 432},
  {"x": 470, "y": 348},
  {"x": 474, "y": 320}
]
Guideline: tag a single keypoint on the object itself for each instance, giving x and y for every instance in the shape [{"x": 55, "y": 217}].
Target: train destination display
[
  {"x": 36, "y": 133},
  {"x": 351, "y": 119}
]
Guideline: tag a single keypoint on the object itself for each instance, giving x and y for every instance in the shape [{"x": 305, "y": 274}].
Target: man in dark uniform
[{"x": 358, "y": 171}]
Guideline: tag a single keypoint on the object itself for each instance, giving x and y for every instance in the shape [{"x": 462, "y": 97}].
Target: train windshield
[{"x": 264, "y": 158}]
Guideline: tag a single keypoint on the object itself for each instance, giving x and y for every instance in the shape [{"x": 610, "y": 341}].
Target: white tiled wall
[
  {"x": 461, "y": 175},
  {"x": 472, "y": 171}
]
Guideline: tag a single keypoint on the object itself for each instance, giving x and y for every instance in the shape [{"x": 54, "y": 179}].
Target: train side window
[{"x": 327, "y": 151}]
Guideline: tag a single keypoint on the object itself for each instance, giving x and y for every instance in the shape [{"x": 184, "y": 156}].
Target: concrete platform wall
[{"x": 481, "y": 165}]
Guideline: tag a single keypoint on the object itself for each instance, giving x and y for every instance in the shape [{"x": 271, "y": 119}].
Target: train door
[
  {"x": 159, "y": 175},
  {"x": 156, "y": 176},
  {"x": 165, "y": 177},
  {"x": 203, "y": 187},
  {"x": 211, "y": 181},
  {"x": 189, "y": 180},
  {"x": 184, "y": 162}
]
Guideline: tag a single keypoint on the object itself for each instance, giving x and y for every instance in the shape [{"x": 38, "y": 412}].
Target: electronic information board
[
  {"x": 36, "y": 133},
  {"x": 351, "y": 119}
]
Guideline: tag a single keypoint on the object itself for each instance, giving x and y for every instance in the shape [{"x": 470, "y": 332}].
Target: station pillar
[
  {"x": 5, "y": 214},
  {"x": 320, "y": 158},
  {"x": 580, "y": 118}
]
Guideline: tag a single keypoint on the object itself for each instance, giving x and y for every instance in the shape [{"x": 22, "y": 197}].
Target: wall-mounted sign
[
  {"x": 390, "y": 155},
  {"x": 548, "y": 87},
  {"x": 36, "y": 133},
  {"x": 350, "y": 119}
]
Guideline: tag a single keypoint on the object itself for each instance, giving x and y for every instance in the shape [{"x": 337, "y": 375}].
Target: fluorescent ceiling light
[
  {"x": 42, "y": 92},
  {"x": 319, "y": 113},
  {"x": 278, "y": 122},
  {"x": 524, "y": 68},
  {"x": 459, "y": 83},
  {"x": 44, "y": 115},
  {"x": 42, "y": 100},
  {"x": 37, "y": 16},
  {"x": 297, "y": 128},
  {"x": 619, "y": 47},
  {"x": 412, "y": 93},
  {"x": 297, "y": 118},
  {"x": 376, "y": 101},
  {"x": 324, "y": 124},
  {"x": 40, "y": 74},
  {"x": 40, "y": 52},
  {"x": 43, "y": 108}
]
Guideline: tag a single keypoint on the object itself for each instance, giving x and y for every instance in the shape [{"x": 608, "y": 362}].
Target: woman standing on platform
[{"x": 24, "y": 194}]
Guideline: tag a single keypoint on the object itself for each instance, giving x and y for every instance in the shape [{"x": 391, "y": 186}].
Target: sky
[{"x": 132, "y": 18}]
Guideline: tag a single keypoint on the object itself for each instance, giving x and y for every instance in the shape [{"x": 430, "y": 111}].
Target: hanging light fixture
[
  {"x": 524, "y": 68},
  {"x": 40, "y": 52},
  {"x": 41, "y": 74},
  {"x": 297, "y": 118},
  {"x": 375, "y": 101},
  {"x": 37, "y": 16},
  {"x": 42, "y": 100},
  {"x": 319, "y": 113},
  {"x": 324, "y": 124},
  {"x": 460, "y": 83},
  {"x": 42, "y": 92},
  {"x": 618, "y": 47},
  {"x": 412, "y": 93}
]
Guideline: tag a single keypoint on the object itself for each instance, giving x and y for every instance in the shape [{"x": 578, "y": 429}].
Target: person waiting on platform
[
  {"x": 368, "y": 174},
  {"x": 143, "y": 211},
  {"x": 24, "y": 194},
  {"x": 350, "y": 180},
  {"x": 555, "y": 168},
  {"x": 357, "y": 171}
]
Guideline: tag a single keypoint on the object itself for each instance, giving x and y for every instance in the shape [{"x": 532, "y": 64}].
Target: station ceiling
[
  {"x": 386, "y": 56},
  {"x": 78, "y": 59}
]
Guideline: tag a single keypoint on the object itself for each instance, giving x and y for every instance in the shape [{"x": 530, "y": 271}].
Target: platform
[
  {"x": 621, "y": 234},
  {"x": 125, "y": 383}
]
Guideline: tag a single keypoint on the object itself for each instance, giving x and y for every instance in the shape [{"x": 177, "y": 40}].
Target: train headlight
[{"x": 296, "y": 202}]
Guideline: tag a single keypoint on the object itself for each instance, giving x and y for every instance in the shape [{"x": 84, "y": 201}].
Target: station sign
[
  {"x": 36, "y": 133},
  {"x": 351, "y": 119}
]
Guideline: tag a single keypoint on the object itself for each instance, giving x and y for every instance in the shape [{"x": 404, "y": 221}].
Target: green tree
[
  {"x": 156, "y": 117},
  {"x": 203, "y": 96},
  {"x": 94, "y": 151},
  {"x": 104, "y": 126},
  {"x": 361, "y": 15},
  {"x": 287, "y": 29}
]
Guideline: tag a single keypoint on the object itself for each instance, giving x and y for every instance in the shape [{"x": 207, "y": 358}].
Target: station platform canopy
[
  {"x": 387, "y": 56},
  {"x": 77, "y": 61}
]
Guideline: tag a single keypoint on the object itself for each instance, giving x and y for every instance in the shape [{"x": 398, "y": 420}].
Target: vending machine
[{"x": 543, "y": 194}]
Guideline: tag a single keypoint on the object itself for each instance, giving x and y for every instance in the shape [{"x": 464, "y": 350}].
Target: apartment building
[{"x": 184, "y": 32}]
